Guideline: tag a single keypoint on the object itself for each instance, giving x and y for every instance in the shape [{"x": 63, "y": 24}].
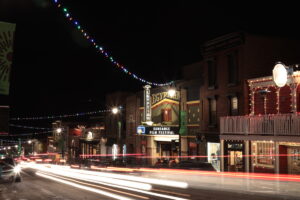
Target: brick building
[
  {"x": 229, "y": 61},
  {"x": 177, "y": 115},
  {"x": 272, "y": 128}
]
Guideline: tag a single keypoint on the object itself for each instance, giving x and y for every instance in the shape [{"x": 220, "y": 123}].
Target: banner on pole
[{"x": 7, "y": 31}]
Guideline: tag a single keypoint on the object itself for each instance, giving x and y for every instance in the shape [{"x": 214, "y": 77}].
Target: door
[{"x": 235, "y": 161}]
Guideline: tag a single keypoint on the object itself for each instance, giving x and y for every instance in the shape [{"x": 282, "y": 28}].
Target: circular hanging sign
[{"x": 280, "y": 74}]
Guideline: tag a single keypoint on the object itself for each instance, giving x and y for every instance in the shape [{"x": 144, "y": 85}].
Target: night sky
[{"x": 56, "y": 71}]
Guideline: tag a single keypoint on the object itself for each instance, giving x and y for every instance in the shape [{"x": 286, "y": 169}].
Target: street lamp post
[
  {"x": 116, "y": 111},
  {"x": 280, "y": 77},
  {"x": 60, "y": 132},
  {"x": 172, "y": 93}
]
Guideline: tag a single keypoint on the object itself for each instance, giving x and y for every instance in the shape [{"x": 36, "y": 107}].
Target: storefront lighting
[{"x": 149, "y": 123}]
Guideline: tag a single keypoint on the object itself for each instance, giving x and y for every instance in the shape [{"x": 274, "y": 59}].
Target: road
[{"x": 48, "y": 186}]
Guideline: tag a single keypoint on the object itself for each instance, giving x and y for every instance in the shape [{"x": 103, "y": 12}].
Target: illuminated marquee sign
[
  {"x": 157, "y": 130},
  {"x": 147, "y": 102},
  {"x": 160, "y": 96}
]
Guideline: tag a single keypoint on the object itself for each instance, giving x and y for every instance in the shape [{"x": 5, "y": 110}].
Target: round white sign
[{"x": 280, "y": 74}]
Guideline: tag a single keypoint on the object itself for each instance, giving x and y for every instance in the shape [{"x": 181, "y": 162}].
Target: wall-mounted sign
[
  {"x": 158, "y": 130},
  {"x": 147, "y": 104},
  {"x": 141, "y": 130}
]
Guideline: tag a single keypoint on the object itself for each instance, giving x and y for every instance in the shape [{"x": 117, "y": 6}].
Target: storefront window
[
  {"x": 263, "y": 154},
  {"x": 213, "y": 154}
]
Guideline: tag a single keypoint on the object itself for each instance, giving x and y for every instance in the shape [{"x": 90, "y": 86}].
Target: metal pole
[{"x": 179, "y": 120}]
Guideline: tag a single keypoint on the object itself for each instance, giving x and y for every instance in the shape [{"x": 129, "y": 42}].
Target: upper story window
[
  {"x": 212, "y": 73},
  {"x": 166, "y": 115},
  {"x": 233, "y": 105},
  {"x": 232, "y": 61},
  {"x": 212, "y": 103}
]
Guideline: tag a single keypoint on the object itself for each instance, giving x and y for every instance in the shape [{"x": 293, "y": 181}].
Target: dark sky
[{"x": 55, "y": 71}]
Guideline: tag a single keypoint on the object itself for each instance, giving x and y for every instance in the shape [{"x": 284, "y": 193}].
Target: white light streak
[{"x": 84, "y": 187}]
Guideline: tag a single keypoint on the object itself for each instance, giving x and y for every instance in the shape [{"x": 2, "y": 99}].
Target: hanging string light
[
  {"x": 26, "y": 134},
  {"x": 100, "y": 48},
  {"x": 60, "y": 116},
  {"x": 14, "y": 141},
  {"x": 29, "y": 127}
]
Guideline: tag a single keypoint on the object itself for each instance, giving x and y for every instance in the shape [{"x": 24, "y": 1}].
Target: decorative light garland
[
  {"x": 60, "y": 116},
  {"x": 14, "y": 141},
  {"x": 26, "y": 134},
  {"x": 100, "y": 48},
  {"x": 29, "y": 127}
]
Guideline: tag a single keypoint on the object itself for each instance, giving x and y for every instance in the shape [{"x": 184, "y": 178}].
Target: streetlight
[
  {"x": 171, "y": 92},
  {"x": 280, "y": 78},
  {"x": 115, "y": 110},
  {"x": 29, "y": 141},
  {"x": 58, "y": 130},
  {"x": 62, "y": 141}
]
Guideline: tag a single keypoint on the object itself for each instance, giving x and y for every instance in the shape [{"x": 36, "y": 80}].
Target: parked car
[
  {"x": 9, "y": 170},
  {"x": 191, "y": 164}
]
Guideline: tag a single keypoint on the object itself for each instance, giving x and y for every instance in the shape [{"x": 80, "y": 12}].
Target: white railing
[{"x": 281, "y": 124}]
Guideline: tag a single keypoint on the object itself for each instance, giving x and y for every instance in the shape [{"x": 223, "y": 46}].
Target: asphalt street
[{"x": 40, "y": 187}]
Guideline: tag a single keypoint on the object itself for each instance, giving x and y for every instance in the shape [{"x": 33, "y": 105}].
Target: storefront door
[{"x": 235, "y": 161}]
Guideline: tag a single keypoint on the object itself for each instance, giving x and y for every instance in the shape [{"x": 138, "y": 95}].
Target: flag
[{"x": 7, "y": 31}]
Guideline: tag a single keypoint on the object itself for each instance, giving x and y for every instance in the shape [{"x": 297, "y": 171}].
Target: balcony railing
[{"x": 281, "y": 124}]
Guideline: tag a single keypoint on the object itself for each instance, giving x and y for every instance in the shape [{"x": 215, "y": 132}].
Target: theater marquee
[{"x": 157, "y": 130}]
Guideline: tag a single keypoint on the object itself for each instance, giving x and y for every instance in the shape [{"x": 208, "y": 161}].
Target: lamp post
[
  {"x": 31, "y": 142},
  {"x": 116, "y": 111},
  {"x": 59, "y": 132},
  {"x": 172, "y": 93},
  {"x": 280, "y": 77}
]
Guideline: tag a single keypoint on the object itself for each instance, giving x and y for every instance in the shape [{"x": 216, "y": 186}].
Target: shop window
[
  {"x": 232, "y": 68},
  {"x": 263, "y": 154},
  {"x": 166, "y": 115},
  {"x": 233, "y": 106},
  {"x": 212, "y": 73},
  {"x": 212, "y": 111}
]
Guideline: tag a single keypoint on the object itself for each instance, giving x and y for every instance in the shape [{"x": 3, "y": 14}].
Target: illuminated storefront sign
[
  {"x": 157, "y": 130},
  {"x": 147, "y": 104},
  {"x": 160, "y": 96}
]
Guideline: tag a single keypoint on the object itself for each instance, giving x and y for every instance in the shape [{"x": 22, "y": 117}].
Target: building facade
[
  {"x": 228, "y": 62},
  {"x": 268, "y": 139},
  {"x": 174, "y": 122}
]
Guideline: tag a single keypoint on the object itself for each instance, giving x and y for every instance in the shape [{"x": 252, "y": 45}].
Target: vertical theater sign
[{"x": 7, "y": 31}]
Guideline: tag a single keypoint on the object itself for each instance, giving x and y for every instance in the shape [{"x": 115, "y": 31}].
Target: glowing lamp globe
[
  {"x": 171, "y": 92},
  {"x": 115, "y": 110},
  {"x": 59, "y": 130},
  {"x": 280, "y": 74}
]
